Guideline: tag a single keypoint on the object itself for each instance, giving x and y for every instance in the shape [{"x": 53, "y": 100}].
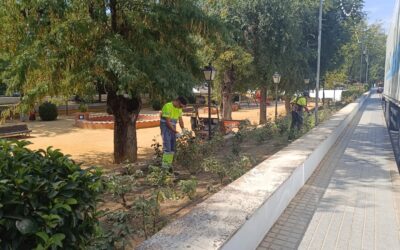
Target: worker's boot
[{"x": 167, "y": 160}]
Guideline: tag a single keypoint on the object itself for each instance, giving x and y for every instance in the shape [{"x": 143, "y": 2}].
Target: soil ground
[{"x": 95, "y": 147}]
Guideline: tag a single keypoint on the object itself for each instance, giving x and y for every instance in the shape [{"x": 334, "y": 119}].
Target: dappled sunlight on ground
[{"x": 95, "y": 147}]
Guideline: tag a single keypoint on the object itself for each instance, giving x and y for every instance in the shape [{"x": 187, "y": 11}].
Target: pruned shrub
[
  {"x": 48, "y": 111},
  {"x": 282, "y": 124},
  {"x": 47, "y": 201},
  {"x": 156, "y": 105}
]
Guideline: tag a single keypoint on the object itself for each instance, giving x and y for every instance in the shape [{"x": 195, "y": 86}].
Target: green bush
[
  {"x": 83, "y": 107},
  {"x": 48, "y": 111},
  {"x": 191, "y": 151},
  {"x": 352, "y": 93},
  {"x": 46, "y": 200},
  {"x": 282, "y": 124},
  {"x": 231, "y": 167},
  {"x": 156, "y": 105},
  {"x": 3, "y": 89}
]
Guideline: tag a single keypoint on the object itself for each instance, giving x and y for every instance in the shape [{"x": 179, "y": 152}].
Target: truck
[{"x": 391, "y": 89}]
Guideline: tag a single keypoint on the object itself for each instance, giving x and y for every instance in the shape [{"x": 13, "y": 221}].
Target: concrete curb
[{"x": 239, "y": 216}]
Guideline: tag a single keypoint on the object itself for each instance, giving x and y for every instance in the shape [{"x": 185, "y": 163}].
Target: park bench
[{"x": 14, "y": 130}]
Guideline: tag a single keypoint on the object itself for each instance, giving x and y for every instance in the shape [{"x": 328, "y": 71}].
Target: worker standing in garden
[
  {"x": 171, "y": 114},
  {"x": 298, "y": 104}
]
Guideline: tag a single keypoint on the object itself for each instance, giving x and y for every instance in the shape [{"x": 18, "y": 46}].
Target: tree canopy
[{"x": 158, "y": 47}]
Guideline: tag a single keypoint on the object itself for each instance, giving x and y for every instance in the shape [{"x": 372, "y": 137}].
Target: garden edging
[{"x": 239, "y": 216}]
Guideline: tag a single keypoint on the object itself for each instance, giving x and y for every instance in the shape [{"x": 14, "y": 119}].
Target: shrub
[
  {"x": 156, "y": 105},
  {"x": 191, "y": 151},
  {"x": 231, "y": 167},
  {"x": 83, "y": 107},
  {"x": 352, "y": 93},
  {"x": 3, "y": 89},
  {"x": 188, "y": 188},
  {"x": 48, "y": 111},
  {"x": 282, "y": 123},
  {"x": 46, "y": 200},
  {"x": 267, "y": 131}
]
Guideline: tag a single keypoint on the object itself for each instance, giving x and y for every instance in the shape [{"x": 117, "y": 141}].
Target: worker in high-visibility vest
[
  {"x": 298, "y": 104},
  {"x": 171, "y": 114}
]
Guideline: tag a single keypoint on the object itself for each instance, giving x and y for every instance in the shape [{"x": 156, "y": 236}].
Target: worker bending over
[
  {"x": 171, "y": 114},
  {"x": 298, "y": 104}
]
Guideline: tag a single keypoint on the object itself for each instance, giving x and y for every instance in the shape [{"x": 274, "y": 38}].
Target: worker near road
[
  {"x": 298, "y": 104},
  {"x": 171, "y": 114}
]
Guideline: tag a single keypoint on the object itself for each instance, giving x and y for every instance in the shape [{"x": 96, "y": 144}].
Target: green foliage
[
  {"x": 334, "y": 78},
  {"x": 282, "y": 124},
  {"x": 188, "y": 187},
  {"x": 265, "y": 132},
  {"x": 370, "y": 38},
  {"x": 158, "y": 153},
  {"x": 231, "y": 167},
  {"x": 48, "y": 111},
  {"x": 121, "y": 185},
  {"x": 156, "y": 105},
  {"x": 83, "y": 107},
  {"x": 3, "y": 89},
  {"x": 46, "y": 199},
  {"x": 352, "y": 93},
  {"x": 191, "y": 151}
]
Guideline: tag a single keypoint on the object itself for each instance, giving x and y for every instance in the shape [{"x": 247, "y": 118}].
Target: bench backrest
[{"x": 13, "y": 128}]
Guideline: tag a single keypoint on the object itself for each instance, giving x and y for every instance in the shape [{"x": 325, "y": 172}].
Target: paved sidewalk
[{"x": 351, "y": 201}]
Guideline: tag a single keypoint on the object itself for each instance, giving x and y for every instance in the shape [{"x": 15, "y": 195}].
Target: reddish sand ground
[{"x": 96, "y": 146}]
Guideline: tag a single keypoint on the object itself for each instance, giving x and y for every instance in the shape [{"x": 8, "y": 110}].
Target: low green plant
[
  {"x": 46, "y": 199},
  {"x": 231, "y": 167},
  {"x": 282, "y": 124},
  {"x": 48, "y": 111},
  {"x": 119, "y": 230},
  {"x": 158, "y": 153},
  {"x": 215, "y": 166},
  {"x": 119, "y": 186},
  {"x": 267, "y": 131},
  {"x": 156, "y": 105},
  {"x": 146, "y": 211},
  {"x": 188, "y": 187},
  {"x": 191, "y": 151},
  {"x": 83, "y": 107},
  {"x": 237, "y": 141}
]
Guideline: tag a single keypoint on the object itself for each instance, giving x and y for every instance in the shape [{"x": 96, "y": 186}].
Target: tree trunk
[
  {"x": 126, "y": 112},
  {"x": 263, "y": 105},
  {"x": 287, "y": 104},
  {"x": 227, "y": 87}
]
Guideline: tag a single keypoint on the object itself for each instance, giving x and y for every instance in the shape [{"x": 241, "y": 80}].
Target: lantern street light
[
  {"x": 209, "y": 75},
  {"x": 277, "y": 79}
]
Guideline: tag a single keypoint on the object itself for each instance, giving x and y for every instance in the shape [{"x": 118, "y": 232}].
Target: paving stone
[{"x": 352, "y": 200}]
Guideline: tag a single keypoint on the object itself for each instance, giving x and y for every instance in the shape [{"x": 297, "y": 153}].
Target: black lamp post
[
  {"x": 209, "y": 75},
  {"x": 277, "y": 79}
]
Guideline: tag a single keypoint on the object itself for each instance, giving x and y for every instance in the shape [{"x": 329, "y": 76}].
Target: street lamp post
[
  {"x": 366, "y": 72},
  {"x": 361, "y": 63},
  {"x": 277, "y": 79},
  {"x": 209, "y": 75},
  {"x": 321, "y": 2}
]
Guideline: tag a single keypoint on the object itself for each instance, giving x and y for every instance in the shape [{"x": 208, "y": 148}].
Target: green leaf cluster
[{"x": 46, "y": 199}]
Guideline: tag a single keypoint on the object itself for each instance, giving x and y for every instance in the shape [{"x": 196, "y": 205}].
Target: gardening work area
[{"x": 143, "y": 197}]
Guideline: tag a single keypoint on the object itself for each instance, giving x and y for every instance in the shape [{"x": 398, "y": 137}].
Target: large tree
[
  {"x": 227, "y": 54},
  {"x": 55, "y": 47}
]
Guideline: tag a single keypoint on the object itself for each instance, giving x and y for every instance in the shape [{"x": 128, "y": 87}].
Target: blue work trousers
[{"x": 168, "y": 137}]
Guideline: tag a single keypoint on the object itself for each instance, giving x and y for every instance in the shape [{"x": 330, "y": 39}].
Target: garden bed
[
  {"x": 107, "y": 121},
  {"x": 143, "y": 199}
]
